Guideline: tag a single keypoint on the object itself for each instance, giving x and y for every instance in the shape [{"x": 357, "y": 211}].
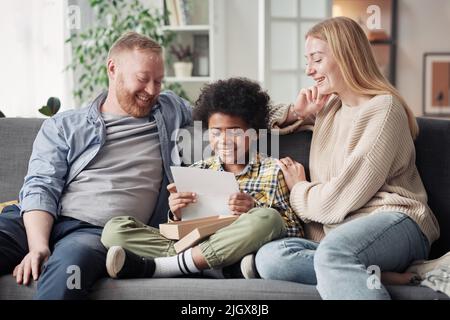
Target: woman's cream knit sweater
[{"x": 362, "y": 161}]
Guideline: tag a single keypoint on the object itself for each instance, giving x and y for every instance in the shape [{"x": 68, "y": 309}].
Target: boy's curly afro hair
[{"x": 239, "y": 97}]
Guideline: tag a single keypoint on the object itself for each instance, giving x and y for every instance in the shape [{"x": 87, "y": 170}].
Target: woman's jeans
[{"x": 344, "y": 264}]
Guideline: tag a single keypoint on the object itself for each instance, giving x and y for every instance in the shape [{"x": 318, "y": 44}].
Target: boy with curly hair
[{"x": 230, "y": 109}]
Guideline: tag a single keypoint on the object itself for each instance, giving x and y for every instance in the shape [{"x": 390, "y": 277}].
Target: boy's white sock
[{"x": 181, "y": 264}]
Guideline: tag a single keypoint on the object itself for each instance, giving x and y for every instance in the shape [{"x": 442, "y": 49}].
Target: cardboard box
[
  {"x": 179, "y": 229},
  {"x": 201, "y": 232}
]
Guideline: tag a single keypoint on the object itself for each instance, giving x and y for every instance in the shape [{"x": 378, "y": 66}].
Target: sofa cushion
[
  {"x": 433, "y": 157},
  {"x": 17, "y": 136},
  {"x": 433, "y": 163},
  {"x": 206, "y": 289},
  {"x": 297, "y": 147},
  {"x": 203, "y": 289},
  {"x": 7, "y": 203}
]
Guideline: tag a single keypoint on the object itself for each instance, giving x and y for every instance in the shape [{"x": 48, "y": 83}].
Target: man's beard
[{"x": 130, "y": 103}]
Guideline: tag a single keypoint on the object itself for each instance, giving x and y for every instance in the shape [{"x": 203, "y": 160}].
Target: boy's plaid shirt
[{"x": 263, "y": 179}]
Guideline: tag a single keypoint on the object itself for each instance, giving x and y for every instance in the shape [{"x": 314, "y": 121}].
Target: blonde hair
[
  {"x": 354, "y": 56},
  {"x": 133, "y": 40}
]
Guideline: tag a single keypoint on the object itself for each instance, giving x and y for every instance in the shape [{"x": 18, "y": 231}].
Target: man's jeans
[
  {"x": 76, "y": 263},
  {"x": 342, "y": 265}
]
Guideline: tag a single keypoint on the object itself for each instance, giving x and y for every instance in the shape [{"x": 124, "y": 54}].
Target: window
[
  {"x": 285, "y": 24},
  {"x": 33, "y": 56}
]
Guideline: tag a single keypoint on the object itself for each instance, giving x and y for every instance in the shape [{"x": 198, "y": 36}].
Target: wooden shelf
[
  {"x": 388, "y": 42},
  {"x": 200, "y": 28},
  {"x": 385, "y": 36}
]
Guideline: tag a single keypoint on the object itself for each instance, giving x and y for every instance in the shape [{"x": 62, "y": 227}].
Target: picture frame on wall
[{"x": 436, "y": 84}]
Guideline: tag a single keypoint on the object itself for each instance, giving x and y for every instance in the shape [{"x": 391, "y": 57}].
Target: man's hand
[
  {"x": 179, "y": 200},
  {"x": 293, "y": 171},
  {"x": 31, "y": 265},
  {"x": 38, "y": 225},
  {"x": 240, "y": 203}
]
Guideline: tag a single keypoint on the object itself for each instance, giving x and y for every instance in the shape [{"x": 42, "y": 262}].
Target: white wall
[
  {"x": 241, "y": 47},
  {"x": 423, "y": 26},
  {"x": 33, "y": 56}
]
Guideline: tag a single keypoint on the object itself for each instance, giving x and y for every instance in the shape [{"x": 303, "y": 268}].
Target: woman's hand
[
  {"x": 179, "y": 200},
  {"x": 292, "y": 170},
  {"x": 240, "y": 203},
  {"x": 309, "y": 101}
]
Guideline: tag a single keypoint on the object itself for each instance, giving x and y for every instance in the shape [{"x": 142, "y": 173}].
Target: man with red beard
[{"x": 89, "y": 165}]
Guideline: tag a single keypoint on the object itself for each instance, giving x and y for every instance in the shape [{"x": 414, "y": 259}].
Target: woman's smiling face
[{"x": 322, "y": 66}]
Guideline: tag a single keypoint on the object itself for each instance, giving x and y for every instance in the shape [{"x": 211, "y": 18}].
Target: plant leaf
[
  {"x": 112, "y": 20},
  {"x": 45, "y": 110},
  {"x": 53, "y": 104}
]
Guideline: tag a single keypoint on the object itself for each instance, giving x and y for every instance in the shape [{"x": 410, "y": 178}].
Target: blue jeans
[
  {"x": 77, "y": 261},
  {"x": 339, "y": 265}
]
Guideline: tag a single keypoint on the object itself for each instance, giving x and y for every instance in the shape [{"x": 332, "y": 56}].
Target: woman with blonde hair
[{"x": 365, "y": 207}]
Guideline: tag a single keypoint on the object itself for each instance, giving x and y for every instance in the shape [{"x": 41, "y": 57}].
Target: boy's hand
[
  {"x": 240, "y": 203},
  {"x": 293, "y": 171},
  {"x": 179, "y": 200}
]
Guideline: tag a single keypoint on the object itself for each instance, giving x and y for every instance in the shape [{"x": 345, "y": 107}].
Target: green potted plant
[
  {"x": 90, "y": 47},
  {"x": 184, "y": 56}
]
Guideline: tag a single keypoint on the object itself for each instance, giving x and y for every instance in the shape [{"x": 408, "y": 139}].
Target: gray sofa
[{"x": 433, "y": 161}]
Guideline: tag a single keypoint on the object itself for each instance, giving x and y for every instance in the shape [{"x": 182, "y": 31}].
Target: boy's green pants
[{"x": 227, "y": 246}]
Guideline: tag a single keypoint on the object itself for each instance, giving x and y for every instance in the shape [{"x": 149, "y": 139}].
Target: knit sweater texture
[{"x": 362, "y": 161}]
